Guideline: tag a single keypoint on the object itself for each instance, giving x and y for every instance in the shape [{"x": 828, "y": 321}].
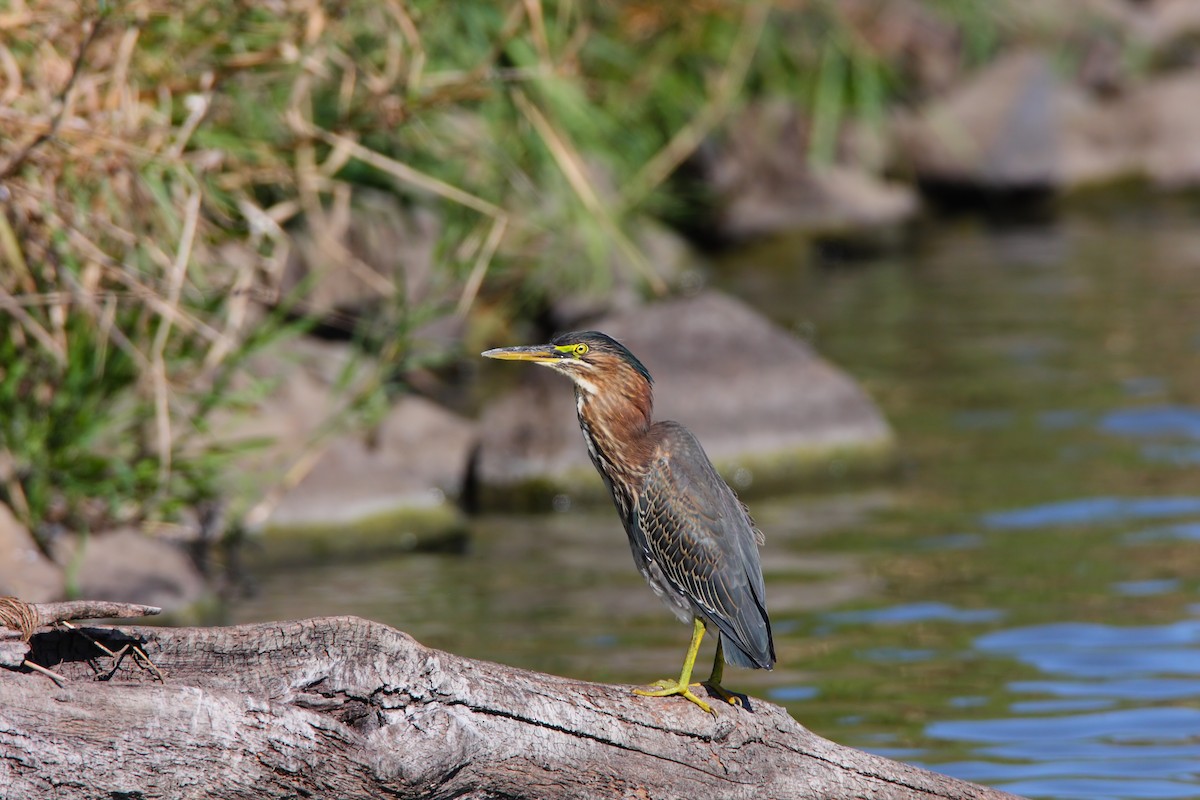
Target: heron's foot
[
  {"x": 666, "y": 688},
  {"x": 720, "y": 691},
  {"x": 667, "y": 683}
]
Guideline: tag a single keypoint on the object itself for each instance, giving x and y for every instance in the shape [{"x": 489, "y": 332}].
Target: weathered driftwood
[
  {"x": 20, "y": 620},
  {"x": 343, "y": 707}
]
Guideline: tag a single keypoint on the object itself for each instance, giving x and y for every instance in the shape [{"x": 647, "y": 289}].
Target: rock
[
  {"x": 674, "y": 263},
  {"x": 24, "y": 572},
  {"x": 1167, "y": 110},
  {"x": 291, "y": 397},
  {"x": 392, "y": 488},
  {"x": 127, "y": 566},
  {"x": 1164, "y": 25},
  {"x": 361, "y": 253},
  {"x": 1000, "y": 130},
  {"x": 768, "y": 410},
  {"x": 352, "y": 492},
  {"x": 1147, "y": 131},
  {"x": 1019, "y": 126},
  {"x": 1100, "y": 142},
  {"x": 762, "y": 182}
]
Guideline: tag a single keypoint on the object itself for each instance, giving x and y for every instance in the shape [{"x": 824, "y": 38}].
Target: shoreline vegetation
[{"x": 182, "y": 188}]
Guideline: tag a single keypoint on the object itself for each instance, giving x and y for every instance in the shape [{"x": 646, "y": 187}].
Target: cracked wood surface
[{"x": 344, "y": 707}]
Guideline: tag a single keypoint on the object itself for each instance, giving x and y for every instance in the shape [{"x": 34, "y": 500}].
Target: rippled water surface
[{"x": 1018, "y": 607}]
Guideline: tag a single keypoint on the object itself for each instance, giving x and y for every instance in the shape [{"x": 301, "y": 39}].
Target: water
[{"x": 1019, "y": 608}]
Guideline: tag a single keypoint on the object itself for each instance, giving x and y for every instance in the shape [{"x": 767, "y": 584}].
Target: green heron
[{"x": 692, "y": 539}]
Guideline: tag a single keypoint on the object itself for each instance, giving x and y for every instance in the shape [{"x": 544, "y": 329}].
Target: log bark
[{"x": 343, "y": 707}]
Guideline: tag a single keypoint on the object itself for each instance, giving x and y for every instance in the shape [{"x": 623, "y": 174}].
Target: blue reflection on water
[
  {"x": 1144, "y": 386},
  {"x": 1154, "y": 421},
  {"x": 1179, "y": 455},
  {"x": 1103, "y": 651},
  {"x": 787, "y": 694},
  {"x": 1128, "y": 753},
  {"x": 1159, "y": 422},
  {"x": 915, "y": 612},
  {"x": 1181, "y": 531},
  {"x": 1156, "y": 688},
  {"x": 1107, "y": 729},
  {"x": 1023, "y": 736},
  {"x": 1091, "y": 510},
  {"x": 1145, "y": 588}
]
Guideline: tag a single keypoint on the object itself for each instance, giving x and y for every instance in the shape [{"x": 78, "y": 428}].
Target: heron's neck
[{"x": 615, "y": 425}]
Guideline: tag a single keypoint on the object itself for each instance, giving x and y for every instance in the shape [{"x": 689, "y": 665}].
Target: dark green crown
[{"x": 603, "y": 343}]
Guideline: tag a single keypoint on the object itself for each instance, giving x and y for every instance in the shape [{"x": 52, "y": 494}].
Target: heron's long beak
[{"x": 539, "y": 353}]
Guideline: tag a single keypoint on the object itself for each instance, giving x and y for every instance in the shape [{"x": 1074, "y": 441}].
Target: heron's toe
[{"x": 668, "y": 688}]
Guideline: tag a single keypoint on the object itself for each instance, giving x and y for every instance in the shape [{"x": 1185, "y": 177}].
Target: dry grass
[{"x": 152, "y": 155}]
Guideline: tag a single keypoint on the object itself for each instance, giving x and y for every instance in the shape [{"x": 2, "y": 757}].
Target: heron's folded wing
[{"x": 692, "y": 527}]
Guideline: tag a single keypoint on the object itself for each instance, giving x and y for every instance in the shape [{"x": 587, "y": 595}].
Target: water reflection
[
  {"x": 1094, "y": 650},
  {"x": 1181, "y": 531},
  {"x": 1129, "y": 753},
  {"x": 916, "y": 612},
  {"x": 1156, "y": 421},
  {"x": 1092, "y": 510},
  {"x": 560, "y": 593}
]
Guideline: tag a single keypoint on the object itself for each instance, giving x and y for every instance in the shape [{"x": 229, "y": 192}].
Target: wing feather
[{"x": 692, "y": 527}]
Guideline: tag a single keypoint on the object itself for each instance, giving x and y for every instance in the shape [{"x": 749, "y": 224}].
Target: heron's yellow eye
[{"x": 581, "y": 349}]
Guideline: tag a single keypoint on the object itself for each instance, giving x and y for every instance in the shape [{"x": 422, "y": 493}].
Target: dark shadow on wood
[{"x": 53, "y": 648}]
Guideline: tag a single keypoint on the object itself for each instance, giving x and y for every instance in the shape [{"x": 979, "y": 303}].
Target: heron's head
[{"x": 597, "y": 363}]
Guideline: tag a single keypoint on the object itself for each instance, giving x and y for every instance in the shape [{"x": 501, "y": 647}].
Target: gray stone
[
  {"x": 1165, "y": 24},
  {"x": 1019, "y": 125},
  {"x": 769, "y": 411},
  {"x": 357, "y": 255},
  {"x": 293, "y": 386},
  {"x": 24, "y": 571},
  {"x": 1149, "y": 131},
  {"x": 1000, "y": 129},
  {"x": 673, "y": 261},
  {"x": 314, "y": 494},
  {"x": 763, "y": 181},
  {"x": 415, "y": 460},
  {"x": 1167, "y": 112},
  {"x": 127, "y": 566}
]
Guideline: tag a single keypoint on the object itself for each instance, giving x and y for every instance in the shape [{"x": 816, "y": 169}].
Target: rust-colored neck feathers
[{"x": 614, "y": 412}]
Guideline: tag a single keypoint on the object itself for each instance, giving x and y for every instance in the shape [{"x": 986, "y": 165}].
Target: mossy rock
[
  {"x": 438, "y": 528},
  {"x": 770, "y": 412}
]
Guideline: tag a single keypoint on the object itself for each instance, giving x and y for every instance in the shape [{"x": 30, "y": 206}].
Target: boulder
[
  {"x": 762, "y": 181},
  {"x": 622, "y": 286},
  {"x": 289, "y": 397},
  {"x": 999, "y": 130},
  {"x": 1166, "y": 25},
  {"x": 769, "y": 411},
  {"x": 313, "y": 493},
  {"x": 391, "y": 488},
  {"x": 1019, "y": 125},
  {"x": 1167, "y": 112},
  {"x": 359, "y": 253},
  {"x": 24, "y": 571},
  {"x": 128, "y": 566}
]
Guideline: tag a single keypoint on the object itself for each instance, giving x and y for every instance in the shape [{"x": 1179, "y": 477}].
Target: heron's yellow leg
[
  {"x": 684, "y": 685},
  {"x": 718, "y": 672}
]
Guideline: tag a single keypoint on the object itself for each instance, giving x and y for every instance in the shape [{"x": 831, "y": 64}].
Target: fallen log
[{"x": 343, "y": 707}]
